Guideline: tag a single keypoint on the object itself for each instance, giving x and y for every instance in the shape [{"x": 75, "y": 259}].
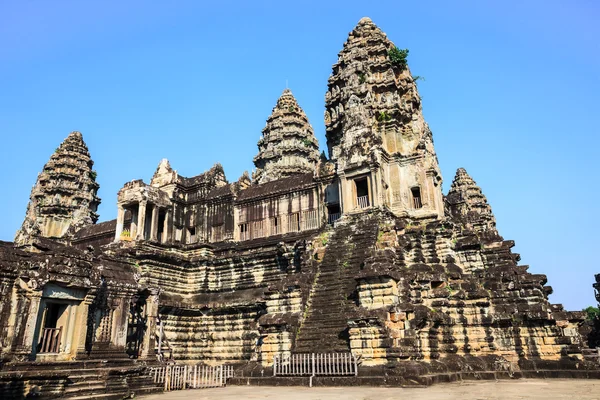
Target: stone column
[
  {"x": 82, "y": 324},
  {"x": 70, "y": 340},
  {"x": 120, "y": 222},
  {"x": 340, "y": 196},
  {"x": 133, "y": 230},
  {"x": 147, "y": 348},
  {"x": 167, "y": 234},
  {"x": 141, "y": 224},
  {"x": 120, "y": 320},
  {"x": 154, "y": 223},
  {"x": 32, "y": 326},
  {"x": 373, "y": 199}
]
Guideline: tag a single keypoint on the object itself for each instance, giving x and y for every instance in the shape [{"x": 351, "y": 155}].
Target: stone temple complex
[{"x": 359, "y": 252}]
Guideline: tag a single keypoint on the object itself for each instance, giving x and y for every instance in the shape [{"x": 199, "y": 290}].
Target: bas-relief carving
[{"x": 58, "y": 292}]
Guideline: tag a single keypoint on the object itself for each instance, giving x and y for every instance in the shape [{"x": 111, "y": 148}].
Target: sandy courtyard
[{"x": 518, "y": 389}]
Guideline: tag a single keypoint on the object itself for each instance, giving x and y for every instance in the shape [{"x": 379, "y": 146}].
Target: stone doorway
[
  {"x": 137, "y": 324},
  {"x": 57, "y": 327}
]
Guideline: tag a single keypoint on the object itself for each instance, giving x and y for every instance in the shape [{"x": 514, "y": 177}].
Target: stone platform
[{"x": 97, "y": 379}]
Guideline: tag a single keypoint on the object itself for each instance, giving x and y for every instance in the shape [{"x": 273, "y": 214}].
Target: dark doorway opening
[
  {"x": 161, "y": 225},
  {"x": 362, "y": 192},
  {"x": 137, "y": 324},
  {"x": 333, "y": 213}
]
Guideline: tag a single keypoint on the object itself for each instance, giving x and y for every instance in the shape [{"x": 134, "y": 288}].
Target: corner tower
[
  {"x": 376, "y": 134},
  {"x": 468, "y": 204},
  {"x": 64, "y": 198},
  {"x": 288, "y": 145}
]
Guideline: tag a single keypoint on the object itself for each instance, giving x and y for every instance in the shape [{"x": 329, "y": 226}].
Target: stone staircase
[
  {"x": 325, "y": 327},
  {"x": 592, "y": 355}
]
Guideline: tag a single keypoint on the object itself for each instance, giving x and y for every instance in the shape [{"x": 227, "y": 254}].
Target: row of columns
[{"x": 138, "y": 222}]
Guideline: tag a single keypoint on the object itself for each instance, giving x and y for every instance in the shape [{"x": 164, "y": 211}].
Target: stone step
[{"x": 95, "y": 387}]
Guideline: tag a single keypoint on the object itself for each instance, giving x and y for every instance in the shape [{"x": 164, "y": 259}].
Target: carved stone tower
[
  {"x": 376, "y": 134},
  {"x": 469, "y": 205},
  {"x": 288, "y": 145},
  {"x": 64, "y": 198}
]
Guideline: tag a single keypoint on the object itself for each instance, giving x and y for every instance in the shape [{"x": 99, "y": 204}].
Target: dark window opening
[
  {"x": 362, "y": 192},
  {"x": 244, "y": 234},
  {"x": 192, "y": 234},
  {"x": 416, "y": 195}
]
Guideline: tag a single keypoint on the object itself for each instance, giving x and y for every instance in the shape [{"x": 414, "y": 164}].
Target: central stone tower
[{"x": 376, "y": 134}]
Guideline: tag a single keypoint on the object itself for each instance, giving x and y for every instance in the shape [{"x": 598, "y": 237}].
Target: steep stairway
[{"x": 325, "y": 326}]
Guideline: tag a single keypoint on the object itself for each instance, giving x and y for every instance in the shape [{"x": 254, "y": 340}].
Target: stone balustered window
[
  {"x": 104, "y": 329},
  {"x": 275, "y": 225},
  {"x": 310, "y": 220},
  {"x": 218, "y": 233},
  {"x": 244, "y": 233},
  {"x": 258, "y": 229},
  {"x": 293, "y": 222}
]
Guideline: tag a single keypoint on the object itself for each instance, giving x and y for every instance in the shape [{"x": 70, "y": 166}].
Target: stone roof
[
  {"x": 279, "y": 186},
  {"x": 214, "y": 176},
  {"x": 222, "y": 191},
  {"x": 96, "y": 229}
]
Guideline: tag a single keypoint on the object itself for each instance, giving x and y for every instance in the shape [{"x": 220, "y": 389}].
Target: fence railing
[
  {"x": 315, "y": 364},
  {"x": 51, "y": 340},
  {"x": 179, "y": 377},
  {"x": 331, "y": 218},
  {"x": 362, "y": 201}
]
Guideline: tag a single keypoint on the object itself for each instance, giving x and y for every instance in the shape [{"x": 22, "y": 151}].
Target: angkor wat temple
[{"x": 359, "y": 252}]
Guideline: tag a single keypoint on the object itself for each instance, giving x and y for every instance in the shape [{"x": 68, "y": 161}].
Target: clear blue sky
[{"x": 511, "y": 93}]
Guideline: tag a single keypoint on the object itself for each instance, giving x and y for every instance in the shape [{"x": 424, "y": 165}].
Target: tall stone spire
[
  {"x": 288, "y": 145},
  {"x": 469, "y": 205},
  {"x": 373, "y": 119},
  {"x": 64, "y": 198}
]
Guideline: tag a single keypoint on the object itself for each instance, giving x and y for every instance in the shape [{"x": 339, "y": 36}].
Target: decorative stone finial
[
  {"x": 164, "y": 174},
  {"x": 63, "y": 199}
]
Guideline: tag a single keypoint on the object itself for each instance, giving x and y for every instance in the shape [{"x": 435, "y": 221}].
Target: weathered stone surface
[
  {"x": 288, "y": 145},
  {"x": 360, "y": 253},
  {"x": 468, "y": 204},
  {"x": 64, "y": 198}
]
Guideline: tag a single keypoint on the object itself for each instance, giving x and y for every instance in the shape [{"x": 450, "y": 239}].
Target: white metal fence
[
  {"x": 179, "y": 377},
  {"x": 315, "y": 364}
]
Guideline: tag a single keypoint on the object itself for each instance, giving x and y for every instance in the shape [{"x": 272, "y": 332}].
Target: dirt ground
[{"x": 518, "y": 389}]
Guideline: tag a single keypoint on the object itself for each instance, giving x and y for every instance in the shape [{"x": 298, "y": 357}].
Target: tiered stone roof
[
  {"x": 64, "y": 197},
  {"x": 288, "y": 145},
  {"x": 468, "y": 203},
  {"x": 372, "y": 102}
]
